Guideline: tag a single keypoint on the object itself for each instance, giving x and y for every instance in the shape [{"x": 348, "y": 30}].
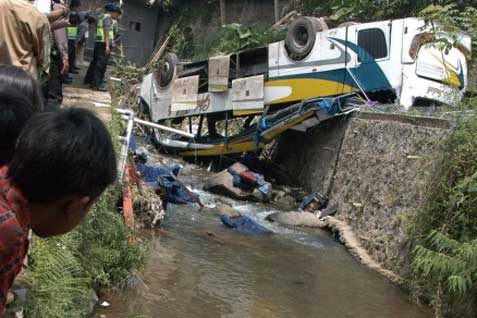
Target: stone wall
[
  {"x": 311, "y": 157},
  {"x": 376, "y": 168}
]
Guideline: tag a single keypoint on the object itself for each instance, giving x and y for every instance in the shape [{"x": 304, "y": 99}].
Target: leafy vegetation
[
  {"x": 451, "y": 15},
  {"x": 231, "y": 38},
  {"x": 445, "y": 233},
  {"x": 237, "y": 37},
  {"x": 64, "y": 270}
]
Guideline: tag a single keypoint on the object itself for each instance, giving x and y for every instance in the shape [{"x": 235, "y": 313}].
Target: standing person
[
  {"x": 102, "y": 47},
  {"x": 116, "y": 46},
  {"x": 59, "y": 66},
  {"x": 24, "y": 37},
  {"x": 87, "y": 24},
  {"x": 72, "y": 31}
]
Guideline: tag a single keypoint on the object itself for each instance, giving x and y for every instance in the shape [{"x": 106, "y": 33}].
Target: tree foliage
[{"x": 445, "y": 233}]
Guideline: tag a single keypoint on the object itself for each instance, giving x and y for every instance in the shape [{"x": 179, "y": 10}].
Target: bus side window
[{"x": 372, "y": 41}]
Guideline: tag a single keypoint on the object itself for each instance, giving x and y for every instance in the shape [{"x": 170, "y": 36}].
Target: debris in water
[
  {"x": 166, "y": 180},
  {"x": 313, "y": 202},
  {"x": 105, "y": 304},
  {"x": 244, "y": 224},
  {"x": 239, "y": 182}
]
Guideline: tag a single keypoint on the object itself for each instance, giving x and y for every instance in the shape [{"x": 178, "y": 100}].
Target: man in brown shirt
[{"x": 24, "y": 36}]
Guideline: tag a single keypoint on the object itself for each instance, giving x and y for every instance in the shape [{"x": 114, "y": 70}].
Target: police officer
[
  {"x": 72, "y": 32},
  {"x": 102, "y": 47},
  {"x": 59, "y": 64}
]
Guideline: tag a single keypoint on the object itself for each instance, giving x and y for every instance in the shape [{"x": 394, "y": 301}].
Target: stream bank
[
  {"x": 376, "y": 167},
  {"x": 197, "y": 268}
]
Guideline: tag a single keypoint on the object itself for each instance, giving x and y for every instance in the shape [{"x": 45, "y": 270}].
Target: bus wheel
[
  {"x": 167, "y": 70},
  {"x": 301, "y": 36}
]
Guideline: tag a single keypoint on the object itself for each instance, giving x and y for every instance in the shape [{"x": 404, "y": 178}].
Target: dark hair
[
  {"x": 74, "y": 19},
  {"x": 91, "y": 20},
  {"x": 75, "y": 4},
  {"x": 15, "y": 111},
  {"x": 61, "y": 153},
  {"x": 17, "y": 79}
]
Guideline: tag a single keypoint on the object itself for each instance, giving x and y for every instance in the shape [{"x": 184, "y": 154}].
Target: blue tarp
[
  {"x": 244, "y": 224},
  {"x": 332, "y": 105},
  {"x": 132, "y": 143},
  {"x": 158, "y": 177}
]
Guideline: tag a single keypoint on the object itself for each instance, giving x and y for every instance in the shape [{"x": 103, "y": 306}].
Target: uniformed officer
[
  {"x": 72, "y": 32},
  {"x": 102, "y": 47}
]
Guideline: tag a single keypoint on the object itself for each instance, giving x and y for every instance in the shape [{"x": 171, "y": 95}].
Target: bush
[{"x": 445, "y": 233}]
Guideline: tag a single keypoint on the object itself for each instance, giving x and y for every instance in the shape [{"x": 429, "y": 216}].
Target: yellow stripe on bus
[{"x": 304, "y": 88}]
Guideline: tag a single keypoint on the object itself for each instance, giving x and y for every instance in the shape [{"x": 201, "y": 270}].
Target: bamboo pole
[
  {"x": 157, "y": 56},
  {"x": 277, "y": 13},
  {"x": 223, "y": 12}
]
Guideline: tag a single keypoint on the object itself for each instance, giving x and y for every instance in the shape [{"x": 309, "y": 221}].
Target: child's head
[
  {"x": 13, "y": 78},
  {"x": 63, "y": 161},
  {"x": 15, "y": 111},
  {"x": 19, "y": 100}
]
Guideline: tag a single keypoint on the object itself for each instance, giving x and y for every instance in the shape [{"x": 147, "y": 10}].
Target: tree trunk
[{"x": 222, "y": 12}]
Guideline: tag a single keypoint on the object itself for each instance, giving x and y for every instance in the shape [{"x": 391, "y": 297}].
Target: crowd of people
[
  {"x": 54, "y": 162},
  {"x": 48, "y": 37}
]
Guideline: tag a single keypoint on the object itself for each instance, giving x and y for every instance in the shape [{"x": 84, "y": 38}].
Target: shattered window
[{"x": 373, "y": 41}]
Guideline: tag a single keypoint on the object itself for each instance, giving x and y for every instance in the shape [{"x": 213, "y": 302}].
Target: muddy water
[{"x": 198, "y": 268}]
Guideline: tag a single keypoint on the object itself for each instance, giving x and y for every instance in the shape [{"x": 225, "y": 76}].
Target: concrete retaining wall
[{"x": 376, "y": 167}]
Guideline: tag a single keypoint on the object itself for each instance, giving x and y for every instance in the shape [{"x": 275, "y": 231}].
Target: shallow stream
[{"x": 198, "y": 268}]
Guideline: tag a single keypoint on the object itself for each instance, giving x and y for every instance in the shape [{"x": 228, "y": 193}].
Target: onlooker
[
  {"x": 86, "y": 24},
  {"x": 72, "y": 30},
  {"x": 102, "y": 47},
  {"x": 24, "y": 36},
  {"x": 59, "y": 66},
  {"x": 19, "y": 100},
  {"x": 63, "y": 161}
]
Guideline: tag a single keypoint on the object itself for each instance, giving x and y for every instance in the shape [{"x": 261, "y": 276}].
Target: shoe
[{"x": 101, "y": 88}]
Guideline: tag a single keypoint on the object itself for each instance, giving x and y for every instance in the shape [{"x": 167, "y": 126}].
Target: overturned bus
[{"x": 402, "y": 61}]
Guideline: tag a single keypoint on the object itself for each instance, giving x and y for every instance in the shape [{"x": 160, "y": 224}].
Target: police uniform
[
  {"x": 97, "y": 67},
  {"x": 72, "y": 34}
]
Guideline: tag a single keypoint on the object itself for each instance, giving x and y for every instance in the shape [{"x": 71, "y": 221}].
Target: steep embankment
[{"x": 376, "y": 167}]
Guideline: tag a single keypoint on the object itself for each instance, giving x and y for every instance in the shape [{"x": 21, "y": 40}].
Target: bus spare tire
[
  {"x": 301, "y": 37},
  {"x": 167, "y": 70}
]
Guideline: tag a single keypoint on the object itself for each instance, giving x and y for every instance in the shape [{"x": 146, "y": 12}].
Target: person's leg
[
  {"x": 89, "y": 78},
  {"x": 100, "y": 64},
  {"x": 71, "y": 54},
  {"x": 54, "y": 94},
  {"x": 104, "y": 66},
  {"x": 80, "y": 54}
]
